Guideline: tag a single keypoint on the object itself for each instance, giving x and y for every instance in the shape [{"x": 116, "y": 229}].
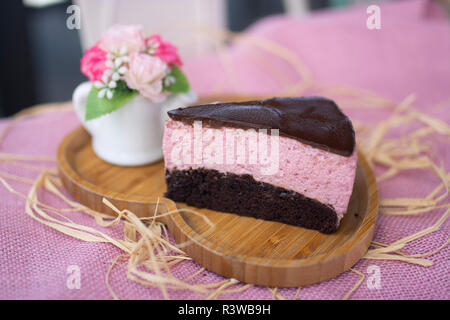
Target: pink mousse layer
[{"x": 324, "y": 176}]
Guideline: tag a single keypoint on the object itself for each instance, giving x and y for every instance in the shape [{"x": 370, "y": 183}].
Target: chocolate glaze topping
[{"x": 312, "y": 120}]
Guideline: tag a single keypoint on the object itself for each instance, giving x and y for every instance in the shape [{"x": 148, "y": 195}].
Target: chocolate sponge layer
[{"x": 242, "y": 195}]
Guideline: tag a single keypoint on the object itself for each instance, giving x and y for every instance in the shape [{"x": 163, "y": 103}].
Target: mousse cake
[{"x": 217, "y": 157}]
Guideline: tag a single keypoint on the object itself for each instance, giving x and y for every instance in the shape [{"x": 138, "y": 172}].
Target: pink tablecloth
[{"x": 409, "y": 54}]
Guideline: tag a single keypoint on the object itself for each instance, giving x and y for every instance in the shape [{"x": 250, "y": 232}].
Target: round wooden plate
[{"x": 247, "y": 249}]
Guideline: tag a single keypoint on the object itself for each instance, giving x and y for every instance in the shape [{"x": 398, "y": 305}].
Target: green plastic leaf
[
  {"x": 97, "y": 107},
  {"x": 180, "y": 83}
]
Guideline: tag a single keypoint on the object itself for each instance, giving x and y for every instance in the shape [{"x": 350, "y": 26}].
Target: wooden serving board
[{"x": 247, "y": 249}]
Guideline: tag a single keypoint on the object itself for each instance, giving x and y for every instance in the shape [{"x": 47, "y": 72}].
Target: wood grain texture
[{"x": 250, "y": 250}]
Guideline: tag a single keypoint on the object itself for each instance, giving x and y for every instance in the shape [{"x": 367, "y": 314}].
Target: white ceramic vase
[{"x": 131, "y": 135}]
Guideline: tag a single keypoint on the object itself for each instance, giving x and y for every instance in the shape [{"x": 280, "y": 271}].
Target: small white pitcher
[{"x": 131, "y": 135}]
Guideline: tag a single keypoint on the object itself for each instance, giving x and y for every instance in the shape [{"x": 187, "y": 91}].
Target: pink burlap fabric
[{"x": 410, "y": 54}]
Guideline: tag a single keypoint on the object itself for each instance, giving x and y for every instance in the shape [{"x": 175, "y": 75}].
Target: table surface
[{"x": 409, "y": 54}]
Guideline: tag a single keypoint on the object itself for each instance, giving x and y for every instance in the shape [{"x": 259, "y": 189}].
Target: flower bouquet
[{"x": 133, "y": 81}]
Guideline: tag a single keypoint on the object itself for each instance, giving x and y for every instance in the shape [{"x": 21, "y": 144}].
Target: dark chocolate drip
[{"x": 312, "y": 120}]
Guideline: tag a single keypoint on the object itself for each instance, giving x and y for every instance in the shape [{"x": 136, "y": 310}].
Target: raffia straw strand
[
  {"x": 220, "y": 290},
  {"x": 389, "y": 252},
  {"x": 16, "y": 178},
  {"x": 108, "y": 285},
  {"x": 25, "y": 165},
  {"x": 17, "y": 193},
  {"x": 297, "y": 293},
  {"x": 276, "y": 295},
  {"x": 406, "y": 212},
  {"x": 26, "y": 157},
  {"x": 417, "y": 255},
  {"x": 357, "y": 284}
]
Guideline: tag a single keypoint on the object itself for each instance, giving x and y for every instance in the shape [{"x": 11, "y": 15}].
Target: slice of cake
[{"x": 291, "y": 160}]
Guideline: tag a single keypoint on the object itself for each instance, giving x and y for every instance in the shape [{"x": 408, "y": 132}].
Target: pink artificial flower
[
  {"x": 145, "y": 74},
  {"x": 163, "y": 49},
  {"x": 93, "y": 63},
  {"x": 120, "y": 36}
]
